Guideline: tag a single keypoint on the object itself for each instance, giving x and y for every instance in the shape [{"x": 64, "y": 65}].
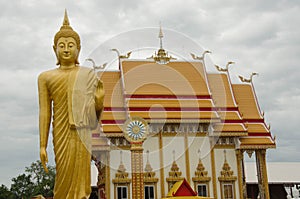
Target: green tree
[
  {"x": 22, "y": 187},
  {"x": 43, "y": 182},
  {"x": 6, "y": 193},
  {"x": 33, "y": 182}
]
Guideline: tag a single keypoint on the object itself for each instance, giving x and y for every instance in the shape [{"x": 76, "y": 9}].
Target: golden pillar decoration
[
  {"x": 161, "y": 164},
  {"x": 213, "y": 169},
  {"x": 137, "y": 170},
  {"x": 107, "y": 177},
  {"x": 241, "y": 174},
  {"x": 187, "y": 158},
  {"x": 262, "y": 174},
  {"x": 135, "y": 131}
]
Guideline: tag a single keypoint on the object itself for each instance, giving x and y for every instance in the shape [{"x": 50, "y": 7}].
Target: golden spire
[
  {"x": 121, "y": 166},
  {"x": 161, "y": 57},
  {"x": 160, "y": 35},
  {"x": 66, "y": 23},
  {"x": 66, "y": 19},
  {"x": 148, "y": 167}
]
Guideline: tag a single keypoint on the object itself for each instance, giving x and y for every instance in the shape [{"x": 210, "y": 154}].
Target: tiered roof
[{"x": 182, "y": 91}]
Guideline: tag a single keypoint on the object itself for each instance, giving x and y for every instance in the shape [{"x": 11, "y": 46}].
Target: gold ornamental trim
[
  {"x": 269, "y": 146},
  {"x": 201, "y": 175},
  {"x": 226, "y": 173},
  {"x": 229, "y": 134}
]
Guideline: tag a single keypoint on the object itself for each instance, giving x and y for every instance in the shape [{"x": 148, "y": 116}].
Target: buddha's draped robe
[{"x": 72, "y": 92}]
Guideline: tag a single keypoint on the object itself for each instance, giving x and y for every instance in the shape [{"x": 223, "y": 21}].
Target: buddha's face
[{"x": 66, "y": 50}]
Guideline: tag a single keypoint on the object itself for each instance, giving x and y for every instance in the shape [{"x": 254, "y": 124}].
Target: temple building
[{"x": 169, "y": 121}]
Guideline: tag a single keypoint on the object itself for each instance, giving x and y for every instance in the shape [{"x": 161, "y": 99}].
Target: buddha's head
[{"x": 66, "y": 34}]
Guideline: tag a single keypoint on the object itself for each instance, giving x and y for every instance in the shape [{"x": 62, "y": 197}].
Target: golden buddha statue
[{"x": 74, "y": 95}]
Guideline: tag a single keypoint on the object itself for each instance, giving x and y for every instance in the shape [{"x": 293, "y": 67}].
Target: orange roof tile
[
  {"x": 109, "y": 128},
  {"x": 170, "y": 103},
  {"x": 100, "y": 141},
  {"x": 246, "y": 101},
  {"x": 113, "y": 115},
  {"x": 257, "y": 142},
  {"x": 257, "y": 128},
  {"x": 174, "y": 78},
  {"x": 229, "y": 115},
  {"x": 230, "y": 127},
  {"x": 175, "y": 114},
  {"x": 221, "y": 90},
  {"x": 112, "y": 87}
]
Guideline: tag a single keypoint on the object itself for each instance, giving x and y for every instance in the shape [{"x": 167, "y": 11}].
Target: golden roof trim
[
  {"x": 180, "y": 121},
  {"x": 267, "y": 146},
  {"x": 230, "y": 133}
]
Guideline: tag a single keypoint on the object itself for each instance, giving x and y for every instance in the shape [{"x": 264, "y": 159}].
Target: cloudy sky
[{"x": 260, "y": 36}]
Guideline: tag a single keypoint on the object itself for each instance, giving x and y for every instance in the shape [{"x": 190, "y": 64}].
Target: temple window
[
  {"x": 122, "y": 192},
  {"x": 202, "y": 189},
  {"x": 149, "y": 191},
  {"x": 228, "y": 191}
]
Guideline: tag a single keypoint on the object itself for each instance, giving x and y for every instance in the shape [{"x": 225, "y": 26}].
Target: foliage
[
  {"x": 6, "y": 193},
  {"x": 33, "y": 182},
  {"x": 22, "y": 187},
  {"x": 43, "y": 182}
]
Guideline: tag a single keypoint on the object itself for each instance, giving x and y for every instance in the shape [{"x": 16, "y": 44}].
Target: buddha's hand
[{"x": 44, "y": 158}]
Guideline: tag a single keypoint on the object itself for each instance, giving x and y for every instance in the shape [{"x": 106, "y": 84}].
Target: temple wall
[
  {"x": 152, "y": 145},
  {"x": 169, "y": 144},
  {"x": 177, "y": 144},
  {"x": 202, "y": 143},
  {"x": 231, "y": 159},
  {"x": 115, "y": 158}
]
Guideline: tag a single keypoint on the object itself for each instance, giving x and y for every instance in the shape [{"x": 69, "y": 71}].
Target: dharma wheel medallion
[{"x": 135, "y": 129}]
